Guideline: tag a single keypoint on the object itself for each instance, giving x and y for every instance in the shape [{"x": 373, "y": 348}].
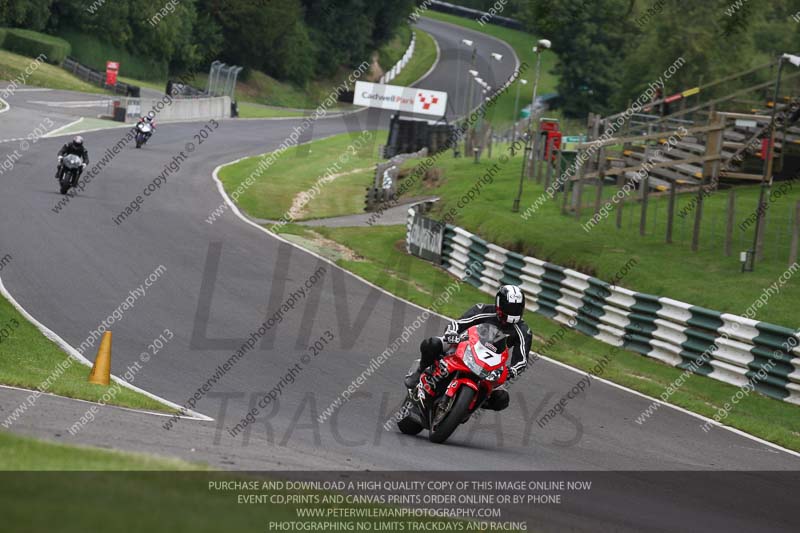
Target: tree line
[
  {"x": 292, "y": 40},
  {"x": 610, "y": 50}
]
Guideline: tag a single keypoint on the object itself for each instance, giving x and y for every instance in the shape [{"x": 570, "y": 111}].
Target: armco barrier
[
  {"x": 474, "y": 14},
  {"x": 722, "y": 346},
  {"x": 400, "y": 65},
  {"x": 99, "y": 78}
]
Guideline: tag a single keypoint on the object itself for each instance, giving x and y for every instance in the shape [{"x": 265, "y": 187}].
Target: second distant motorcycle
[{"x": 143, "y": 132}]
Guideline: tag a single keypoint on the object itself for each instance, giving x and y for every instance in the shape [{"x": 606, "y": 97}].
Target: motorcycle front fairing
[
  {"x": 479, "y": 362},
  {"x": 478, "y": 357}
]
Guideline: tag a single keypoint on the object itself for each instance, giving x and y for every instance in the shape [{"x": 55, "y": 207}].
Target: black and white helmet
[
  {"x": 77, "y": 140},
  {"x": 510, "y": 304}
]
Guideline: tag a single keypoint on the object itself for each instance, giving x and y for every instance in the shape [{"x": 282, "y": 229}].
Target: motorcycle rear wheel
[{"x": 458, "y": 412}]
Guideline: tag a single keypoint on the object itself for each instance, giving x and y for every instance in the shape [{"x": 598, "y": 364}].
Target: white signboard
[
  {"x": 397, "y": 98},
  {"x": 741, "y": 123}
]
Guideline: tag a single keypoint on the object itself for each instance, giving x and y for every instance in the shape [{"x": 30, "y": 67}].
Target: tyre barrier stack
[
  {"x": 384, "y": 188},
  {"x": 722, "y": 346}
]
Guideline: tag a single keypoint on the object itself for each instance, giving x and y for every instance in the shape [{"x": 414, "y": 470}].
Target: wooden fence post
[
  {"x": 598, "y": 200},
  {"x": 645, "y": 186},
  {"x": 710, "y": 173},
  {"x": 578, "y": 200},
  {"x": 558, "y": 171},
  {"x": 795, "y": 236},
  {"x": 620, "y": 184},
  {"x": 566, "y": 194},
  {"x": 761, "y": 212},
  {"x": 729, "y": 225},
  {"x": 671, "y": 210}
]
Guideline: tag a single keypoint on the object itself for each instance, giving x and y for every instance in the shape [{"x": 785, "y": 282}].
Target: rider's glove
[
  {"x": 60, "y": 158},
  {"x": 452, "y": 337}
]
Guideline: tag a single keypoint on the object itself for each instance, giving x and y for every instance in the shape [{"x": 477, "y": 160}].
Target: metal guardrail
[
  {"x": 98, "y": 78},
  {"x": 475, "y": 14},
  {"x": 722, "y": 346}
]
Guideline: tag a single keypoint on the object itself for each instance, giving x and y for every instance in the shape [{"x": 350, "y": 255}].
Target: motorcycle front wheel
[
  {"x": 458, "y": 412},
  {"x": 407, "y": 425},
  {"x": 65, "y": 183}
]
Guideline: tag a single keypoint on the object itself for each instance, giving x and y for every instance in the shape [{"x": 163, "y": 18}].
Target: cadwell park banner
[{"x": 397, "y": 98}]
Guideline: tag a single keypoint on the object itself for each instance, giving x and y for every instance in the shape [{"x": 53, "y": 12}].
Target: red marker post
[{"x": 112, "y": 69}]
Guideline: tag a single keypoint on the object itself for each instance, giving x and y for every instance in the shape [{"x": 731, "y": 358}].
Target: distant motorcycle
[
  {"x": 449, "y": 392},
  {"x": 70, "y": 171},
  {"x": 143, "y": 133}
]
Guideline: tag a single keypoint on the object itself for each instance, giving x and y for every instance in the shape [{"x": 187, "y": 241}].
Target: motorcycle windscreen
[
  {"x": 490, "y": 336},
  {"x": 72, "y": 161}
]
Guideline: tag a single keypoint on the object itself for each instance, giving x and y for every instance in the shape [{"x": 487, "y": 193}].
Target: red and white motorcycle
[{"x": 451, "y": 390}]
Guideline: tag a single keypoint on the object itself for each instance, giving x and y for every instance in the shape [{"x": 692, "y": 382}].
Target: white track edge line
[
  {"x": 75, "y": 354},
  {"x": 81, "y": 400},
  {"x": 676, "y": 407},
  {"x": 65, "y": 126}
]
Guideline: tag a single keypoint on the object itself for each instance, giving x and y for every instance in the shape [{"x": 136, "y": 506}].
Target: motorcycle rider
[
  {"x": 147, "y": 119},
  {"x": 76, "y": 147},
  {"x": 506, "y": 314}
]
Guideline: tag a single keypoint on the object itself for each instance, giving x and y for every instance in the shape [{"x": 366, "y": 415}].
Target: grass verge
[
  {"x": 260, "y": 88},
  {"x": 378, "y": 255},
  {"x": 299, "y": 169},
  {"x": 28, "y": 358},
  {"x": 13, "y": 67},
  {"x": 422, "y": 60},
  {"x": 25, "y": 454},
  {"x": 391, "y": 52},
  {"x": 153, "y": 85},
  {"x": 251, "y": 110}
]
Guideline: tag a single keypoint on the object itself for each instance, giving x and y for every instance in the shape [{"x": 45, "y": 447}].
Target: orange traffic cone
[{"x": 101, "y": 371}]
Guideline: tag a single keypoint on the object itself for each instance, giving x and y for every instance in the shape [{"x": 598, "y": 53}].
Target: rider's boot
[
  {"x": 497, "y": 401},
  {"x": 412, "y": 379}
]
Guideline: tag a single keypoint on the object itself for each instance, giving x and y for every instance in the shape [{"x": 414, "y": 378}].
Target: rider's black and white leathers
[
  {"x": 77, "y": 149},
  {"x": 519, "y": 337},
  {"x": 72, "y": 148}
]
